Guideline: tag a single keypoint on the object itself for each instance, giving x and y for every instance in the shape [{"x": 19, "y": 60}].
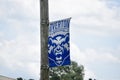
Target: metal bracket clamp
[
  {"x": 43, "y": 21},
  {"x": 44, "y": 67}
]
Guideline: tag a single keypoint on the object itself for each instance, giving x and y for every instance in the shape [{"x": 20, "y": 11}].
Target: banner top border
[{"x": 60, "y": 20}]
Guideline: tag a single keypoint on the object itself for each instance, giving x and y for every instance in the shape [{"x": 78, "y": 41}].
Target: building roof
[{"x": 6, "y": 78}]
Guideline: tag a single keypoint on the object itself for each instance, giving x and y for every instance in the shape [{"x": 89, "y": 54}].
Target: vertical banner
[{"x": 58, "y": 43}]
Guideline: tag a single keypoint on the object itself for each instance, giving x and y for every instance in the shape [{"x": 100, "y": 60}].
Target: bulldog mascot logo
[{"x": 58, "y": 44}]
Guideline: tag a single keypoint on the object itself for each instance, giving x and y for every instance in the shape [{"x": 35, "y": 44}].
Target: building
[{"x": 6, "y": 78}]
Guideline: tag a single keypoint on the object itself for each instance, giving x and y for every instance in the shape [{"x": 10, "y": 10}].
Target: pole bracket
[
  {"x": 44, "y": 67},
  {"x": 43, "y": 22}
]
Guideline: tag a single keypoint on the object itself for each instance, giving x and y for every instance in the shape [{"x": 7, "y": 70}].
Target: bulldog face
[{"x": 58, "y": 46}]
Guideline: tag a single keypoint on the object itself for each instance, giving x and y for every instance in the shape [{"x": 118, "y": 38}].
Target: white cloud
[
  {"x": 21, "y": 54},
  {"x": 89, "y": 74},
  {"x": 22, "y": 17},
  {"x": 81, "y": 59},
  {"x": 20, "y": 10},
  {"x": 92, "y": 55},
  {"x": 1, "y": 13},
  {"x": 77, "y": 55},
  {"x": 29, "y": 8},
  {"x": 20, "y": 40},
  {"x": 97, "y": 16},
  {"x": 74, "y": 8},
  {"x": 1, "y": 34},
  {"x": 101, "y": 56}
]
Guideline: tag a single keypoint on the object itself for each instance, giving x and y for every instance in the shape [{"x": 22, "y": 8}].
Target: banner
[{"x": 58, "y": 43}]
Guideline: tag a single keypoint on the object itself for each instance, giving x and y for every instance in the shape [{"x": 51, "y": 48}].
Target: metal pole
[{"x": 44, "y": 23}]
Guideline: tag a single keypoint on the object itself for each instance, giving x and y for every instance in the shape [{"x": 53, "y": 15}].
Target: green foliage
[
  {"x": 19, "y": 78},
  {"x": 72, "y": 72},
  {"x": 31, "y": 79}
]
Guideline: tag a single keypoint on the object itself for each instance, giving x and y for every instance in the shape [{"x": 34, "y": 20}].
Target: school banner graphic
[{"x": 59, "y": 43}]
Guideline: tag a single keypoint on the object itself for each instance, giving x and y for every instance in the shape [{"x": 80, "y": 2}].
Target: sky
[{"x": 94, "y": 36}]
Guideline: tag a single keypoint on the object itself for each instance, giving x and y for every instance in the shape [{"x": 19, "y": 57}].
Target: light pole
[{"x": 44, "y": 23}]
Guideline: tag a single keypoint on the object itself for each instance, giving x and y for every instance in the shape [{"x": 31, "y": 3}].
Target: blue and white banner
[{"x": 58, "y": 43}]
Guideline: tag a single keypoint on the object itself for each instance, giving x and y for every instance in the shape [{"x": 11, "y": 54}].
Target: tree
[
  {"x": 72, "y": 72},
  {"x": 19, "y": 78},
  {"x": 31, "y": 79},
  {"x": 90, "y": 78}
]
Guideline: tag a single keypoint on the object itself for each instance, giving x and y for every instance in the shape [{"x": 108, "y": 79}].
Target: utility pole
[{"x": 44, "y": 24}]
